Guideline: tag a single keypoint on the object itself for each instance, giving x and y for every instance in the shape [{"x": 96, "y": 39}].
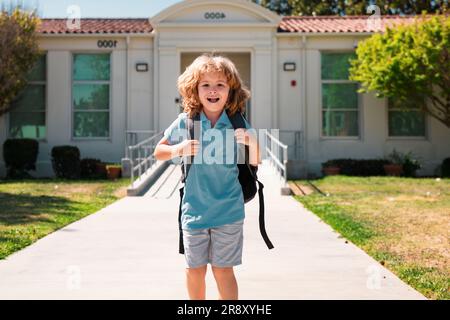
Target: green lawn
[
  {"x": 404, "y": 223},
  {"x": 31, "y": 209}
]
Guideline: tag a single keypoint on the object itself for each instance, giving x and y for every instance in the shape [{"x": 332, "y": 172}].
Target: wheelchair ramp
[{"x": 167, "y": 184}]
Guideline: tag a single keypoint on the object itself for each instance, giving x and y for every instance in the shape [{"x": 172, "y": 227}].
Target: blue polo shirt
[{"x": 212, "y": 195}]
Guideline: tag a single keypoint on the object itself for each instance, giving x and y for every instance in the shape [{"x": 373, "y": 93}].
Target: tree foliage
[
  {"x": 352, "y": 7},
  {"x": 18, "y": 53},
  {"x": 410, "y": 63}
]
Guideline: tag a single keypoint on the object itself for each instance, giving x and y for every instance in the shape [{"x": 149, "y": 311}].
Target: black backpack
[{"x": 247, "y": 177}]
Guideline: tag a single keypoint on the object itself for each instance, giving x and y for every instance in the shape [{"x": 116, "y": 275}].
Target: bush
[
  {"x": 410, "y": 165},
  {"x": 409, "y": 162},
  {"x": 329, "y": 163},
  {"x": 20, "y": 156},
  {"x": 88, "y": 168},
  {"x": 359, "y": 167},
  {"x": 395, "y": 157},
  {"x": 445, "y": 168},
  {"x": 66, "y": 162}
]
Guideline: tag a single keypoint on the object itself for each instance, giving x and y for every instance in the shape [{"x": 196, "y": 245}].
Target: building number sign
[
  {"x": 214, "y": 15},
  {"x": 107, "y": 43}
]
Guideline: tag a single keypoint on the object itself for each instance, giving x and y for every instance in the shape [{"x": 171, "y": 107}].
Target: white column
[
  {"x": 262, "y": 103},
  {"x": 168, "y": 110}
]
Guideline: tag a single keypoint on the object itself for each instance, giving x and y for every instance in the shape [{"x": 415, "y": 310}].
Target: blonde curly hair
[{"x": 188, "y": 84}]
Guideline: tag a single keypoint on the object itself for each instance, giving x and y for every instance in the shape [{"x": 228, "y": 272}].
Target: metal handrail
[
  {"x": 141, "y": 155},
  {"x": 131, "y": 138},
  {"x": 273, "y": 147}
]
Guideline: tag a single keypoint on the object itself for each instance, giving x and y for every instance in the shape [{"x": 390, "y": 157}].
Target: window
[
  {"x": 339, "y": 96},
  {"x": 90, "y": 95},
  {"x": 405, "y": 122},
  {"x": 27, "y": 115}
]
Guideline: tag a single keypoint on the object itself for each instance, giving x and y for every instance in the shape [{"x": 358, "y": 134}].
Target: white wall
[
  {"x": 373, "y": 141},
  {"x": 59, "y": 115}
]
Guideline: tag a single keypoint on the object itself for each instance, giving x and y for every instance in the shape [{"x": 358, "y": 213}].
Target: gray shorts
[{"x": 220, "y": 246}]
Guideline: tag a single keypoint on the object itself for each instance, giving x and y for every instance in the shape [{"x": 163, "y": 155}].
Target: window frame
[
  {"x": 45, "y": 110},
  {"x": 425, "y": 137},
  {"x": 73, "y": 82},
  {"x": 358, "y": 109}
]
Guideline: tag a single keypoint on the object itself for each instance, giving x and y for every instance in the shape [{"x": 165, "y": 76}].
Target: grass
[
  {"x": 32, "y": 209},
  {"x": 403, "y": 223}
]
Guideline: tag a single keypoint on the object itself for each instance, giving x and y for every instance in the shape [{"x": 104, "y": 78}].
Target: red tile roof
[
  {"x": 291, "y": 24},
  {"x": 337, "y": 24},
  {"x": 96, "y": 26}
]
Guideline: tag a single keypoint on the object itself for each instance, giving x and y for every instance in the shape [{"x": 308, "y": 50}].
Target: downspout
[
  {"x": 126, "y": 162},
  {"x": 275, "y": 92},
  {"x": 155, "y": 82},
  {"x": 304, "y": 115},
  {"x": 127, "y": 93}
]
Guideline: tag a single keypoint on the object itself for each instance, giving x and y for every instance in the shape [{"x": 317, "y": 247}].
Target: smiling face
[{"x": 213, "y": 91}]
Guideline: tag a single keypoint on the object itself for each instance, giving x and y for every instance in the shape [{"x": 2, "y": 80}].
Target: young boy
[{"x": 212, "y": 205}]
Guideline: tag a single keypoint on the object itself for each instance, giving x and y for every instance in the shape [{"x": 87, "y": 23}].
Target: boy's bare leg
[
  {"x": 195, "y": 281},
  {"x": 226, "y": 283}
]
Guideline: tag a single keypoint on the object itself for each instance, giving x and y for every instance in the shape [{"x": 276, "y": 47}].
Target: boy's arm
[{"x": 165, "y": 151}]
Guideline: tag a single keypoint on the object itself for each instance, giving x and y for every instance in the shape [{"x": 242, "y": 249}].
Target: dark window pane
[
  {"x": 339, "y": 96},
  {"x": 340, "y": 123},
  {"x": 91, "y": 124},
  {"x": 406, "y": 123},
  {"x": 31, "y": 98},
  {"x": 335, "y": 65},
  {"x": 412, "y": 103},
  {"x": 90, "y": 96},
  {"x": 38, "y": 73},
  {"x": 27, "y": 125},
  {"x": 91, "y": 66}
]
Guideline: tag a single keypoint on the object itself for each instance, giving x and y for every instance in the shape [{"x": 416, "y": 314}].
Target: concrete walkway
[{"x": 129, "y": 251}]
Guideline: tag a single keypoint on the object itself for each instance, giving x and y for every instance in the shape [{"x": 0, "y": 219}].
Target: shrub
[
  {"x": 359, "y": 167},
  {"x": 329, "y": 163},
  {"x": 88, "y": 168},
  {"x": 395, "y": 157},
  {"x": 445, "y": 168},
  {"x": 409, "y": 162},
  {"x": 66, "y": 162},
  {"x": 410, "y": 165},
  {"x": 20, "y": 156}
]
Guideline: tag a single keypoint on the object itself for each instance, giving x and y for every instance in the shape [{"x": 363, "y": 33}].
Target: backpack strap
[
  {"x": 185, "y": 166},
  {"x": 262, "y": 225},
  {"x": 180, "y": 242},
  {"x": 237, "y": 120},
  {"x": 193, "y": 130}
]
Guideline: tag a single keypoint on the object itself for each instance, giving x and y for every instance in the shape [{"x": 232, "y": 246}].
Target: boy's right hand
[{"x": 187, "y": 148}]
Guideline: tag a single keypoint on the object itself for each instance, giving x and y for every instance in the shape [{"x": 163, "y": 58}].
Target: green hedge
[{"x": 20, "y": 156}]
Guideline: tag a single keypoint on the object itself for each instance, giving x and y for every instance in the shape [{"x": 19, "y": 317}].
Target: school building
[{"x": 102, "y": 80}]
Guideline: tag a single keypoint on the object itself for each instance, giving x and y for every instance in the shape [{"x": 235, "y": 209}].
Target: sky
[{"x": 97, "y": 8}]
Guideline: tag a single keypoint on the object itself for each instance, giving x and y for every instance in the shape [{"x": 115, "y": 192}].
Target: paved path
[{"x": 129, "y": 251}]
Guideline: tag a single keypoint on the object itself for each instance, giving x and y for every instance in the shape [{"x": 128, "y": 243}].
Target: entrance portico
[{"x": 241, "y": 29}]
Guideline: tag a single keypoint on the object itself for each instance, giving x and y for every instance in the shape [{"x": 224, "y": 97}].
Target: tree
[
  {"x": 18, "y": 53},
  {"x": 353, "y": 7},
  {"x": 282, "y": 7},
  {"x": 410, "y": 63}
]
